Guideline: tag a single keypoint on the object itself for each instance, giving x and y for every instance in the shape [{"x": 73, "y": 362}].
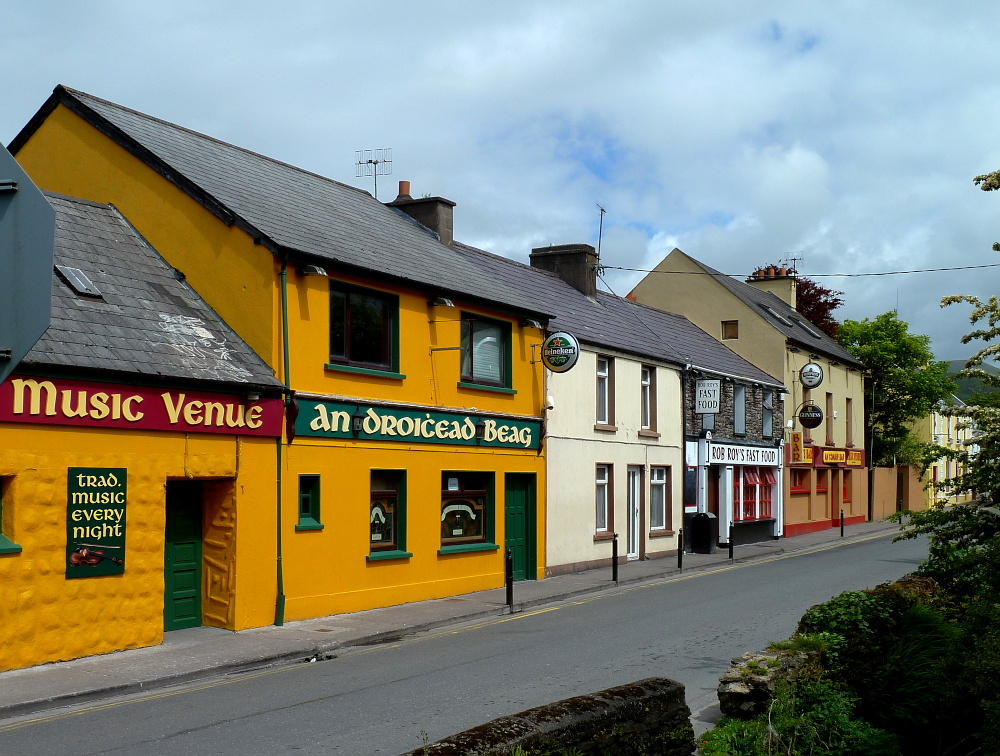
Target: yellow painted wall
[
  {"x": 235, "y": 276},
  {"x": 45, "y": 616},
  {"x": 326, "y": 571}
]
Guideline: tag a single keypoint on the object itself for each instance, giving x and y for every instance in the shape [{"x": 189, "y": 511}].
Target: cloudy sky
[{"x": 842, "y": 133}]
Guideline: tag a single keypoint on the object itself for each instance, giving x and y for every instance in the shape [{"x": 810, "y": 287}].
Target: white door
[{"x": 634, "y": 502}]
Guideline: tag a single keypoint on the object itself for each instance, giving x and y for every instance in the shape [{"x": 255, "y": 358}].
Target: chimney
[
  {"x": 436, "y": 213},
  {"x": 576, "y": 264},
  {"x": 778, "y": 281}
]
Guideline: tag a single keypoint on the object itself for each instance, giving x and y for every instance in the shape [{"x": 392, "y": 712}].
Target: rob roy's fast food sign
[{"x": 52, "y": 401}]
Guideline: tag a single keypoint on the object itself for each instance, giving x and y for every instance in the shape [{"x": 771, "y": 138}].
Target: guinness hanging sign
[{"x": 810, "y": 415}]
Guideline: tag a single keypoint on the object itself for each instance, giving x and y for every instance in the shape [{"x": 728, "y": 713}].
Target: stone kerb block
[{"x": 650, "y": 717}]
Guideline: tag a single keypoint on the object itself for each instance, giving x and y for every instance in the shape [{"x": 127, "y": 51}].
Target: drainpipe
[{"x": 279, "y": 606}]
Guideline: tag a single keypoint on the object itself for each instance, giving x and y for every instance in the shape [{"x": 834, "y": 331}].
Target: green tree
[
  {"x": 906, "y": 383},
  {"x": 979, "y": 464}
]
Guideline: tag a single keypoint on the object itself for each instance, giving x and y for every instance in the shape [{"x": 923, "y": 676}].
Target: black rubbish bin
[{"x": 704, "y": 533}]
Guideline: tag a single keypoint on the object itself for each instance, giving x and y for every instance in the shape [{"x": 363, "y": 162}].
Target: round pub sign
[
  {"x": 811, "y": 375},
  {"x": 560, "y": 352},
  {"x": 810, "y": 416}
]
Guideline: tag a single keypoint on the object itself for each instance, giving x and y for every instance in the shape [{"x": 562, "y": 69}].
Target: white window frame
[
  {"x": 602, "y": 491},
  {"x": 646, "y": 384},
  {"x": 658, "y": 497},
  {"x": 603, "y": 390}
]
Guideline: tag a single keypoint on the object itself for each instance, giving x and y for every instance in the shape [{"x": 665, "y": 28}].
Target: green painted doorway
[
  {"x": 519, "y": 523},
  {"x": 182, "y": 556}
]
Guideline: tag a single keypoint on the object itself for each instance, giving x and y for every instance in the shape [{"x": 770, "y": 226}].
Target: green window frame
[
  {"x": 309, "y": 503},
  {"x": 486, "y": 361},
  {"x": 387, "y": 515},
  {"x": 364, "y": 331},
  {"x": 7, "y": 546},
  {"x": 467, "y": 511}
]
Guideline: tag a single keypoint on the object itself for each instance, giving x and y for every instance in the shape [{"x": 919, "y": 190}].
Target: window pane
[
  {"x": 768, "y": 424},
  {"x": 338, "y": 324},
  {"x": 368, "y": 340},
  {"x": 463, "y": 507},
  {"x": 487, "y": 340},
  {"x": 658, "y": 497},
  {"x": 602, "y": 390},
  {"x": 384, "y": 516},
  {"x": 739, "y": 410},
  {"x": 602, "y": 497}
]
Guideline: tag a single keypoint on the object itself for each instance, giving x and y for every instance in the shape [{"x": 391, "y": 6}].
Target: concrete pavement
[{"x": 202, "y": 652}]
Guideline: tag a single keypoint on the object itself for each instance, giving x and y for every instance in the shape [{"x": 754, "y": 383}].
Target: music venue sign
[{"x": 52, "y": 401}]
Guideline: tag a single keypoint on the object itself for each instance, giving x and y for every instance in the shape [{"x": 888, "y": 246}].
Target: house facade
[
  {"x": 412, "y": 455},
  {"x": 824, "y": 428},
  {"x": 137, "y": 460}
]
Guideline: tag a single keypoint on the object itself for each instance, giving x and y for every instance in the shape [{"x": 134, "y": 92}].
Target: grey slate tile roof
[
  {"x": 611, "y": 322},
  {"x": 285, "y": 207},
  {"x": 782, "y": 316},
  {"x": 147, "y": 323}
]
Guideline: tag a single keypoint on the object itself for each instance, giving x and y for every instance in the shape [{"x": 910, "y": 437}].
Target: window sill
[
  {"x": 603, "y": 536},
  {"x": 646, "y": 433},
  {"x": 606, "y": 428},
  {"x": 484, "y": 387},
  {"x": 366, "y": 371},
  {"x": 379, "y": 556},
  {"x": 661, "y": 533},
  {"x": 7, "y": 546},
  {"x": 308, "y": 524},
  {"x": 468, "y": 547}
]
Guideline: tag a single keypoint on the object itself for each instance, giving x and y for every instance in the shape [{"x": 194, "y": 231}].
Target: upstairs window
[
  {"x": 739, "y": 409},
  {"x": 485, "y": 351},
  {"x": 647, "y": 398},
  {"x": 363, "y": 330},
  {"x": 730, "y": 329},
  {"x": 767, "y": 414},
  {"x": 605, "y": 391}
]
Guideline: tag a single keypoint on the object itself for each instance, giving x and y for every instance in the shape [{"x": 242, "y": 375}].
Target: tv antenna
[
  {"x": 600, "y": 231},
  {"x": 374, "y": 163}
]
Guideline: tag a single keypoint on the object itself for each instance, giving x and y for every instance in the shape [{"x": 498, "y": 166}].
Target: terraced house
[
  {"x": 137, "y": 457},
  {"x": 824, "y": 431},
  {"x": 411, "y": 456}
]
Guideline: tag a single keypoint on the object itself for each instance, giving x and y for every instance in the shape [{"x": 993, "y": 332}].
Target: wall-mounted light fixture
[
  {"x": 480, "y": 430},
  {"x": 814, "y": 356},
  {"x": 834, "y": 364},
  {"x": 312, "y": 270},
  {"x": 357, "y": 420},
  {"x": 442, "y": 302},
  {"x": 794, "y": 349},
  {"x": 253, "y": 396},
  {"x": 531, "y": 323}
]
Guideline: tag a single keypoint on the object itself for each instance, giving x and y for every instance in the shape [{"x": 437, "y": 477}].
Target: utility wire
[{"x": 807, "y": 275}]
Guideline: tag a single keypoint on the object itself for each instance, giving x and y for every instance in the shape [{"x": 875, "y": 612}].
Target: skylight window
[
  {"x": 780, "y": 318},
  {"x": 809, "y": 329},
  {"x": 77, "y": 280}
]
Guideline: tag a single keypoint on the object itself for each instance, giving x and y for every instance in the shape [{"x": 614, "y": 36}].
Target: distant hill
[{"x": 969, "y": 386}]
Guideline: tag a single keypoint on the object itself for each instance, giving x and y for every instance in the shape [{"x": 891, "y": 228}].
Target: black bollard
[
  {"x": 731, "y": 544},
  {"x": 841, "y": 523},
  {"x": 680, "y": 549},
  {"x": 509, "y": 576},
  {"x": 614, "y": 559}
]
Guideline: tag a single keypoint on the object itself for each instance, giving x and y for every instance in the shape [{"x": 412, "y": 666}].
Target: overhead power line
[{"x": 810, "y": 275}]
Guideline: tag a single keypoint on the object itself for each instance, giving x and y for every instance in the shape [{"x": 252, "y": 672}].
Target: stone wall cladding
[
  {"x": 650, "y": 717},
  {"x": 724, "y": 419}
]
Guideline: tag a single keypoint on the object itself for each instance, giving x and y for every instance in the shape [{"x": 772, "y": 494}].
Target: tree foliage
[
  {"x": 979, "y": 463},
  {"x": 906, "y": 384}
]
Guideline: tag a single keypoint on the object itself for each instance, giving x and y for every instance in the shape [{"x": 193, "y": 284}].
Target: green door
[
  {"x": 519, "y": 519},
  {"x": 182, "y": 556}
]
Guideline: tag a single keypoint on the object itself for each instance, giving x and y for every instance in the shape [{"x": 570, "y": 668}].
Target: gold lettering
[
  {"x": 343, "y": 418},
  {"x": 407, "y": 424},
  {"x": 388, "y": 425},
  {"x": 99, "y": 406},
  {"x": 173, "y": 410},
  {"x": 67, "y": 404},
  {"x": 192, "y": 412},
  {"x": 491, "y": 431},
  {"x": 35, "y": 389},
  {"x": 441, "y": 429},
  {"x": 237, "y": 421},
  {"x": 468, "y": 429},
  {"x": 130, "y": 414},
  {"x": 371, "y": 422},
  {"x": 321, "y": 421},
  {"x": 218, "y": 410}
]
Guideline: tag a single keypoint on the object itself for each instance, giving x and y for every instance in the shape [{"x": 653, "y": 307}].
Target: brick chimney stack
[
  {"x": 778, "y": 281},
  {"x": 576, "y": 264},
  {"x": 436, "y": 213}
]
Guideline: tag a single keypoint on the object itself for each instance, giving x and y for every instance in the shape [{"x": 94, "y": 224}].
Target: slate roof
[
  {"x": 286, "y": 208},
  {"x": 782, "y": 316},
  {"x": 148, "y": 323},
  {"x": 611, "y": 322}
]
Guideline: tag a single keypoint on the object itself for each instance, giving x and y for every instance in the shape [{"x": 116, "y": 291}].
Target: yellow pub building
[{"x": 411, "y": 457}]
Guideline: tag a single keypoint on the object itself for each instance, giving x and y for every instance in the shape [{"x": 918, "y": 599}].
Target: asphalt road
[{"x": 380, "y": 699}]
